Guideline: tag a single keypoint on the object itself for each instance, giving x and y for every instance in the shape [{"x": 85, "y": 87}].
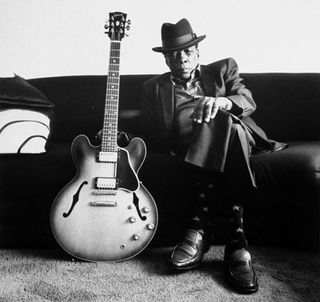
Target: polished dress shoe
[
  {"x": 189, "y": 252},
  {"x": 240, "y": 272}
]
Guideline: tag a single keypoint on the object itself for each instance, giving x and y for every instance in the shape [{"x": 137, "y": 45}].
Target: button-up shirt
[{"x": 185, "y": 92}]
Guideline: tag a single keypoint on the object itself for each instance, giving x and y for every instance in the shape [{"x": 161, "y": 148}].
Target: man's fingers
[
  {"x": 205, "y": 109},
  {"x": 214, "y": 112},
  {"x": 208, "y": 111}
]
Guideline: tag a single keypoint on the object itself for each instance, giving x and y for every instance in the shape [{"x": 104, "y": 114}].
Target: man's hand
[{"x": 207, "y": 107}]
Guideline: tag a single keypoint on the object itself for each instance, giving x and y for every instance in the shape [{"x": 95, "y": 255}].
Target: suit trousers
[{"x": 224, "y": 145}]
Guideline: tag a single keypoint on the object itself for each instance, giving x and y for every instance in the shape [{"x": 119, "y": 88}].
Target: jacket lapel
[{"x": 166, "y": 94}]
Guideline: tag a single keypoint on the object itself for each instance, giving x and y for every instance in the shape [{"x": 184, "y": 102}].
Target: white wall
[{"x": 41, "y": 38}]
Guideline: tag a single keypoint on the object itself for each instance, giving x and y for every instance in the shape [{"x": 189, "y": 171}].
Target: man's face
[{"x": 183, "y": 62}]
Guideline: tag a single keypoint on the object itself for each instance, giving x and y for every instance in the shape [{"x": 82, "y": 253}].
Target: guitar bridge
[
  {"x": 104, "y": 192},
  {"x": 104, "y": 203}
]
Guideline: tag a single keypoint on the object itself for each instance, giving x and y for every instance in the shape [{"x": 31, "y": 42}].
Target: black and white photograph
[{"x": 157, "y": 151}]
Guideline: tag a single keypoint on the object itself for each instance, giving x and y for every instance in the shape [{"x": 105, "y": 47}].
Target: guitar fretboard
[{"x": 110, "y": 122}]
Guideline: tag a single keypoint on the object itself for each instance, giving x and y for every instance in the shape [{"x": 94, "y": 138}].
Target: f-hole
[
  {"x": 136, "y": 204},
  {"x": 75, "y": 199}
]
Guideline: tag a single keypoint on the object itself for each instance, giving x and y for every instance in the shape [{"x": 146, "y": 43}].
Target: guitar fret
[
  {"x": 115, "y": 53},
  {"x": 110, "y": 125}
]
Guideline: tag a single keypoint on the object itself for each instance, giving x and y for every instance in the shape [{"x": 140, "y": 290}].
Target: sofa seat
[
  {"x": 286, "y": 210},
  {"x": 35, "y": 174},
  {"x": 298, "y": 165},
  {"x": 27, "y": 192}
]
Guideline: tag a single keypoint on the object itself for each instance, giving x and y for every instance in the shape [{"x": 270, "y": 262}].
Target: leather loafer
[
  {"x": 240, "y": 272},
  {"x": 189, "y": 252}
]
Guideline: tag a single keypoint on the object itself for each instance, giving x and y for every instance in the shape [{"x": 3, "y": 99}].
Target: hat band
[{"x": 178, "y": 41}]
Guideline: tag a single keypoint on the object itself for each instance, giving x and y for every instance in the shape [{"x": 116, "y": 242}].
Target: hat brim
[{"x": 191, "y": 43}]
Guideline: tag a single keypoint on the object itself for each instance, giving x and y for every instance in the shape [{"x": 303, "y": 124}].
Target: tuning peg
[
  {"x": 128, "y": 27},
  {"x": 129, "y": 22},
  {"x": 106, "y": 26}
]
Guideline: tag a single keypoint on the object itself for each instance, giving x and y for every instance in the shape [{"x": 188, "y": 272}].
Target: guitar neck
[{"x": 110, "y": 122}]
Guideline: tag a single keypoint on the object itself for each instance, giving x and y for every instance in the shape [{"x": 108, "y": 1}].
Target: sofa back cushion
[
  {"x": 16, "y": 92},
  {"x": 288, "y": 104}
]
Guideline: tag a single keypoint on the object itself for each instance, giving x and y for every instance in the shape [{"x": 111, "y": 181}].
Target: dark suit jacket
[{"x": 219, "y": 79}]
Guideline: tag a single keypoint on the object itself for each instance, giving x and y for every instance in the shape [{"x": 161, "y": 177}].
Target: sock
[
  {"x": 236, "y": 231},
  {"x": 201, "y": 219}
]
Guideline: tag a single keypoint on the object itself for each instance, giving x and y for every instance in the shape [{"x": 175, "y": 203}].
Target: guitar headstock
[{"x": 117, "y": 25}]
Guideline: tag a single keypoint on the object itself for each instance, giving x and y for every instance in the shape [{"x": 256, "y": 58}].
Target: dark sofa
[{"x": 286, "y": 207}]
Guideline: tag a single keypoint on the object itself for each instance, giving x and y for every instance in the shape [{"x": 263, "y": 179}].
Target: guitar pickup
[
  {"x": 111, "y": 157},
  {"x": 104, "y": 192},
  {"x": 106, "y": 183}
]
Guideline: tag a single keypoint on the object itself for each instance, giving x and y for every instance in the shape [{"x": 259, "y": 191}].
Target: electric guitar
[{"x": 105, "y": 213}]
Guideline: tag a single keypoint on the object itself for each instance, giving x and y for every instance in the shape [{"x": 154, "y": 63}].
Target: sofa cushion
[
  {"x": 296, "y": 166},
  {"x": 17, "y": 92},
  {"x": 23, "y": 131},
  {"x": 28, "y": 176},
  {"x": 29, "y": 184},
  {"x": 25, "y": 116}
]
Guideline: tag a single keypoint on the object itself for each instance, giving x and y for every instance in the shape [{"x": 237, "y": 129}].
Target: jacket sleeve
[{"x": 236, "y": 92}]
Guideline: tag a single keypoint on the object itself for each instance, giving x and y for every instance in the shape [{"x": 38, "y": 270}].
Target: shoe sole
[{"x": 184, "y": 268}]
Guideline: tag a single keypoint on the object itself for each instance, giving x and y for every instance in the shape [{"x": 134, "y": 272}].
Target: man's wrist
[
  {"x": 226, "y": 104},
  {"x": 229, "y": 104}
]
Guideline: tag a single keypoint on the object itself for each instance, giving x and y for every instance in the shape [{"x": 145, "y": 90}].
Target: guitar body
[{"x": 94, "y": 222}]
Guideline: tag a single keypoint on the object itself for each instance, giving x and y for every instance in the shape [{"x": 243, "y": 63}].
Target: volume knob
[
  {"x": 150, "y": 226},
  {"x": 146, "y": 209},
  {"x": 132, "y": 219},
  {"x": 136, "y": 236}
]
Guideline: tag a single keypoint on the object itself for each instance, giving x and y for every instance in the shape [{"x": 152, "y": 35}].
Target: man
[{"x": 201, "y": 114}]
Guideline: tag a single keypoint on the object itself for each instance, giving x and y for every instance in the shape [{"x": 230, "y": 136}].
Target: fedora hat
[{"x": 177, "y": 36}]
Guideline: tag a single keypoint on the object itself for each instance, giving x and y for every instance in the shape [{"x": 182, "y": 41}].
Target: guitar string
[
  {"x": 109, "y": 135},
  {"x": 110, "y": 124}
]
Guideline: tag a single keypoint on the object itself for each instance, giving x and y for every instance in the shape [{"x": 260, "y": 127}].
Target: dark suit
[
  {"x": 219, "y": 79},
  {"x": 211, "y": 140}
]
